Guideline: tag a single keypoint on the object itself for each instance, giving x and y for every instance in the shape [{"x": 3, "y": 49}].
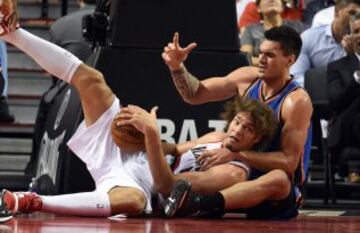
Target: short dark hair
[
  {"x": 344, "y": 3},
  {"x": 290, "y": 41},
  {"x": 263, "y": 116}
]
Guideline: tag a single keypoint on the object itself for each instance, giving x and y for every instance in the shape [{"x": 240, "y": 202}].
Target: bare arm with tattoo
[{"x": 194, "y": 91}]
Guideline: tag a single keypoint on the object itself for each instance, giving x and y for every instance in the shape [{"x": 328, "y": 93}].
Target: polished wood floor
[{"x": 49, "y": 223}]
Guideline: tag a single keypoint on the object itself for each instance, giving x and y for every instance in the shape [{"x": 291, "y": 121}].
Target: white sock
[
  {"x": 92, "y": 204},
  {"x": 55, "y": 60}
]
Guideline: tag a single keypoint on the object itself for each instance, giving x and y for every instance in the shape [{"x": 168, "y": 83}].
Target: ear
[
  {"x": 257, "y": 139},
  {"x": 291, "y": 59}
]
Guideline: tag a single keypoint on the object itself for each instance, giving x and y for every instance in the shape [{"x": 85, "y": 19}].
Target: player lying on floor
[{"x": 123, "y": 179}]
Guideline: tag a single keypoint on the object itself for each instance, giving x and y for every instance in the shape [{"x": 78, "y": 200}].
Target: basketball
[{"x": 127, "y": 136}]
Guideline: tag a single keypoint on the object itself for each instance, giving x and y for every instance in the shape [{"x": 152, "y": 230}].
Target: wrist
[
  {"x": 177, "y": 68},
  {"x": 239, "y": 156},
  {"x": 151, "y": 131}
]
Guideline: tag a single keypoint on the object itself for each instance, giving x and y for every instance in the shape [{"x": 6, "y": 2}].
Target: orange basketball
[{"x": 127, "y": 136}]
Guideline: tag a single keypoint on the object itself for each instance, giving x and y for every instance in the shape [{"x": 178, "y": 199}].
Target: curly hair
[{"x": 263, "y": 117}]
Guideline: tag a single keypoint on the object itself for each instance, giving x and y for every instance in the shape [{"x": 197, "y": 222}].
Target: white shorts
[{"x": 108, "y": 165}]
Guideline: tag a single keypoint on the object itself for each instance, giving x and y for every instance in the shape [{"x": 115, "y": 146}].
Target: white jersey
[{"x": 188, "y": 161}]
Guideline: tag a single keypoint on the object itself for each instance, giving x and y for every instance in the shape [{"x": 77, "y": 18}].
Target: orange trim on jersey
[
  {"x": 249, "y": 87},
  {"x": 273, "y": 96}
]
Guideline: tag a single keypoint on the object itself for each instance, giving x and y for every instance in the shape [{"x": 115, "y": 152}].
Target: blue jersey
[{"x": 275, "y": 103}]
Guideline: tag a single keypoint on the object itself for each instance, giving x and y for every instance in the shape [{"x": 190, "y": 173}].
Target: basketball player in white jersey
[{"x": 123, "y": 179}]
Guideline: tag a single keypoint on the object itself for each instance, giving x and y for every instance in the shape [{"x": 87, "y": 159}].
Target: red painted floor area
[{"x": 49, "y": 223}]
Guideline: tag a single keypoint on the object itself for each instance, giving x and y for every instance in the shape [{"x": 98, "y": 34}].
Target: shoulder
[
  {"x": 255, "y": 27},
  {"x": 253, "y": 30},
  {"x": 245, "y": 71},
  {"x": 298, "y": 102},
  {"x": 315, "y": 31},
  {"x": 243, "y": 77},
  {"x": 211, "y": 137},
  {"x": 343, "y": 62},
  {"x": 297, "y": 25},
  {"x": 244, "y": 74}
]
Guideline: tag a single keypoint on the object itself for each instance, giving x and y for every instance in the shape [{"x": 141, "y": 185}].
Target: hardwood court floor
[{"x": 49, "y": 223}]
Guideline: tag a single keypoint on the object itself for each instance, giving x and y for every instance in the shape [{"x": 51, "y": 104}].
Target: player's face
[
  {"x": 241, "y": 134},
  {"x": 272, "y": 61}
]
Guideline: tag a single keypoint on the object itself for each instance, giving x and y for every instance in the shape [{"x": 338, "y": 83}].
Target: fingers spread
[
  {"x": 190, "y": 47},
  {"x": 154, "y": 110},
  {"x": 203, "y": 157}
]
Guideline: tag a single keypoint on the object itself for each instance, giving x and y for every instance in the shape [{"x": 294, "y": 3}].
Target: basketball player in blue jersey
[{"x": 278, "y": 173}]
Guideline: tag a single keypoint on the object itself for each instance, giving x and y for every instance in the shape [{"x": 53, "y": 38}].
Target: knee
[
  {"x": 137, "y": 203},
  {"x": 281, "y": 181},
  {"x": 237, "y": 174},
  {"x": 128, "y": 201}
]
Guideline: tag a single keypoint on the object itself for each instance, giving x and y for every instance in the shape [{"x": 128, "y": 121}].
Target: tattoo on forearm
[{"x": 185, "y": 82}]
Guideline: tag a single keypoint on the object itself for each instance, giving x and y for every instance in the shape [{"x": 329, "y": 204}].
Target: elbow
[
  {"x": 194, "y": 100},
  {"x": 91, "y": 77},
  {"x": 290, "y": 167},
  {"x": 191, "y": 100}
]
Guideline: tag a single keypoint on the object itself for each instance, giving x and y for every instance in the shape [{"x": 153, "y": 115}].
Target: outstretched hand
[
  {"x": 8, "y": 16},
  {"x": 138, "y": 117},
  {"x": 174, "y": 55}
]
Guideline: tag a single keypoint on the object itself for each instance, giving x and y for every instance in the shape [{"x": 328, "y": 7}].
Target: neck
[
  {"x": 272, "y": 20},
  {"x": 337, "y": 31},
  {"x": 273, "y": 86}
]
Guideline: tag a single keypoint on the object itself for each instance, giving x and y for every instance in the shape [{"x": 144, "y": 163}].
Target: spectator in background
[
  {"x": 343, "y": 78},
  {"x": 313, "y": 7},
  {"x": 322, "y": 45},
  {"x": 253, "y": 35},
  {"x": 252, "y": 15},
  {"x": 5, "y": 116},
  {"x": 323, "y": 17}
]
